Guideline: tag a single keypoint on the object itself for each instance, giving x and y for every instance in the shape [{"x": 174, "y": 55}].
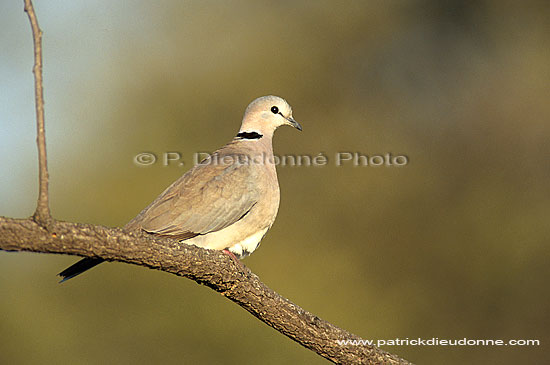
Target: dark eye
[{"x": 274, "y": 109}]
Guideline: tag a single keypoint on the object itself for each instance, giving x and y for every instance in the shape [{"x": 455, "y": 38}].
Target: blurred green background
[{"x": 453, "y": 245}]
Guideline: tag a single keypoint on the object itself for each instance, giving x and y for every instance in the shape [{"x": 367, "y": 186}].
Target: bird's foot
[{"x": 232, "y": 255}]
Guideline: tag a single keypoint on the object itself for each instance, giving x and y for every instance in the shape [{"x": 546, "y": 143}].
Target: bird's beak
[{"x": 293, "y": 123}]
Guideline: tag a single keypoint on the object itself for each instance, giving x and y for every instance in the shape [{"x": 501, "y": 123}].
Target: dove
[{"x": 226, "y": 202}]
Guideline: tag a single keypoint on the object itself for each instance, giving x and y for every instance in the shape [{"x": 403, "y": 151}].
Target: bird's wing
[{"x": 208, "y": 198}]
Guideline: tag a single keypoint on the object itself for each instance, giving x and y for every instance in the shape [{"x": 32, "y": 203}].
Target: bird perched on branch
[{"x": 229, "y": 200}]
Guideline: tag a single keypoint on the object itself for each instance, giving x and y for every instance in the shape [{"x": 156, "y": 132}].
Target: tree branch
[
  {"x": 211, "y": 268},
  {"x": 207, "y": 267},
  {"x": 42, "y": 214}
]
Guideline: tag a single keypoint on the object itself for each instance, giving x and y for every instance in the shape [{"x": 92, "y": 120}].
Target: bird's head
[{"x": 267, "y": 113}]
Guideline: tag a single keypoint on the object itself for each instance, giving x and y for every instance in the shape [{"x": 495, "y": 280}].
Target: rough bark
[{"x": 211, "y": 268}]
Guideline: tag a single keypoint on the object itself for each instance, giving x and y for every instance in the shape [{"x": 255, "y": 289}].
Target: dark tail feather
[{"x": 78, "y": 268}]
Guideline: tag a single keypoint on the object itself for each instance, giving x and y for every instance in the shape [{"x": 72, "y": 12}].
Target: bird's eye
[{"x": 274, "y": 109}]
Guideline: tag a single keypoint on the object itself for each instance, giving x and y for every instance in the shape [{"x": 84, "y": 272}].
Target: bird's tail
[{"x": 78, "y": 268}]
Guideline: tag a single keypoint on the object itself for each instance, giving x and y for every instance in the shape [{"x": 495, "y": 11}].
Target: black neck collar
[{"x": 249, "y": 135}]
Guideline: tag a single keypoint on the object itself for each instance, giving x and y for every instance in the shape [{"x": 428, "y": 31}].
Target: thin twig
[{"x": 42, "y": 214}]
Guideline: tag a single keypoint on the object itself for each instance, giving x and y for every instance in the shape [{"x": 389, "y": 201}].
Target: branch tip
[{"x": 42, "y": 214}]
